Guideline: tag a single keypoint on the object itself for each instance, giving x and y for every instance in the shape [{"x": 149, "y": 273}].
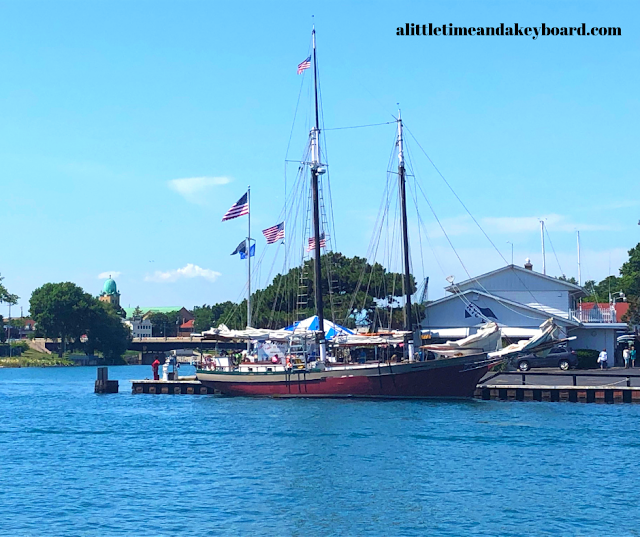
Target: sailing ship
[{"x": 454, "y": 372}]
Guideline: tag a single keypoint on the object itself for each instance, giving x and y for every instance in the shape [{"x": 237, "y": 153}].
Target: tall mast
[
  {"x": 408, "y": 320},
  {"x": 315, "y": 171},
  {"x": 249, "y": 258}
]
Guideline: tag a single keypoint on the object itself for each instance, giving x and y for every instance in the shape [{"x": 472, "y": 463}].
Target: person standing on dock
[
  {"x": 602, "y": 359},
  {"x": 626, "y": 355},
  {"x": 632, "y": 354},
  {"x": 155, "y": 366}
]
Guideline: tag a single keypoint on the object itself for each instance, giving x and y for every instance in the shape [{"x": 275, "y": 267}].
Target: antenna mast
[
  {"x": 579, "y": 269},
  {"x": 544, "y": 261}
]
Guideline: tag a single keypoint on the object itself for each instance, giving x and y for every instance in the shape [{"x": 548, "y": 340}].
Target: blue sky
[{"x": 106, "y": 104}]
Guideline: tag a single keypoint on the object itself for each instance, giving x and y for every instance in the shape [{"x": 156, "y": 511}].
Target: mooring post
[
  {"x": 524, "y": 379},
  {"x": 103, "y": 384},
  {"x": 629, "y": 382},
  {"x": 575, "y": 380}
]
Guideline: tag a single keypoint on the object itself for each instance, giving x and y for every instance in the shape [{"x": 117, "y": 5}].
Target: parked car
[{"x": 558, "y": 357}]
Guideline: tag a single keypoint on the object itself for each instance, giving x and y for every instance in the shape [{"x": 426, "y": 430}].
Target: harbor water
[{"x": 79, "y": 464}]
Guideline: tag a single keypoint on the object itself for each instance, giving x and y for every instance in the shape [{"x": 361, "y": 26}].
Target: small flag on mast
[
  {"x": 312, "y": 243},
  {"x": 239, "y": 208},
  {"x": 274, "y": 233},
  {"x": 304, "y": 64}
]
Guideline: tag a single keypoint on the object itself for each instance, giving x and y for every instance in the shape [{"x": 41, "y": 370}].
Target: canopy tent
[
  {"x": 303, "y": 328},
  {"x": 312, "y": 324},
  {"x": 248, "y": 333}
]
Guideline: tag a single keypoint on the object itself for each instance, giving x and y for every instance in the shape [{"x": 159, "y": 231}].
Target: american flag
[
  {"x": 304, "y": 64},
  {"x": 239, "y": 208},
  {"x": 312, "y": 243},
  {"x": 274, "y": 233}
]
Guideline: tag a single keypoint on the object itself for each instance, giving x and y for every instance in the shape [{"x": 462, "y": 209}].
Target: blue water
[{"x": 75, "y": 463}]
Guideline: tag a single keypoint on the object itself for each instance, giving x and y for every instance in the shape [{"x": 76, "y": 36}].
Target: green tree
[
  {"x": 630, "y": 273},
  {"x": 359, "y": 291},
  {"x": 207, "y": 317},
  {"x": 106, "y": 332},
  {"x": 61, "y": 310},
  {"x": 570, "y": 280},
  {"x": 165, "y": 324},
  {"x": 5, "y": 296},
  {"x": 137, "y": 313}
]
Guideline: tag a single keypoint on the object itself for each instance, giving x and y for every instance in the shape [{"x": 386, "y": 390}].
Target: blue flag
[
  {"x": 242, "y": 250},
  {"x": 252, "y": 250}
]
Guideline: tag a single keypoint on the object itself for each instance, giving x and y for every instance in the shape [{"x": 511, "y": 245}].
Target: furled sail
[{"x": 487, "y": 339}]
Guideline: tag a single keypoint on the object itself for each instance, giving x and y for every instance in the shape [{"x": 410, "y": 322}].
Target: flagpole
[{"x": 249, "y": 260}]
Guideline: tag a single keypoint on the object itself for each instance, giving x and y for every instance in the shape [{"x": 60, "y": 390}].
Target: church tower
[{"x": 110, "y": 293}]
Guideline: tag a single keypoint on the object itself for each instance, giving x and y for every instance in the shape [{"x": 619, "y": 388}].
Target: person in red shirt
[{"x": 155, "y": 365}]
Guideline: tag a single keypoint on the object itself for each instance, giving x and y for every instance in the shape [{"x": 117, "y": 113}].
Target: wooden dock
[
  {"x": 571, "y": 386},
  {"x": 184, "y": 385}
]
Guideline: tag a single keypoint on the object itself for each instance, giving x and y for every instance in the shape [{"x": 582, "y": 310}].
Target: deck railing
[{"x": 597, "y": 314}]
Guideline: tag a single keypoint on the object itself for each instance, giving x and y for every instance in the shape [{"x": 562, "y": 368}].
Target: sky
[{"x": 129, "y": 128}]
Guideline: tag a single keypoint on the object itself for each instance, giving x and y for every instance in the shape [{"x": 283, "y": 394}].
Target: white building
[
  {"x": 521, "y": 299},
  {"x": 139, "y": 328}
]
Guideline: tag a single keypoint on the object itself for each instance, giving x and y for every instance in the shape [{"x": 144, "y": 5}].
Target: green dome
[{"x": 109, "y": 287}]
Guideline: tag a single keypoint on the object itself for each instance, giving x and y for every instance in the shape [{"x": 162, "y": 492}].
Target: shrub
[{"x": 587, "y": 359}]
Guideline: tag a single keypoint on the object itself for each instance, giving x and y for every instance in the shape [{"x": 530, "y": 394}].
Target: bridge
[{"x": 151, "y": 348}]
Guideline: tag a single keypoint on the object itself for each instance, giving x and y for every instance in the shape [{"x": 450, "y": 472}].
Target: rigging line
[
  {"x": 497, "y": 298},
  {"x": 331, "y": 231},
  {"x": 374, "y": 244},
  {"x": 290, "y": 232},
  {"x": 415, "y": 203},
  {"x": 359, "y": 126},
  {"x": 295, "y": 115},
  {"x": 261, "y": 296},
  {"x": 500, "y": 253},
  {"x": 553, "y": 250},
  {"x": 329, "y": 219},
  {"x": 443, "y": 231},
  {"x": 377, "y": 245},
  {"x": 457, "y": 197}
]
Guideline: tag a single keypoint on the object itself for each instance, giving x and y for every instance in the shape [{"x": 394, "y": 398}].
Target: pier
[
  {"x": 184, "y": 385},
  {"x": 594, "y": 386}
]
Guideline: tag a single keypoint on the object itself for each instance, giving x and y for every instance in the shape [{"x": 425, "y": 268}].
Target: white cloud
[
  {"x": 193, "y": 188},
  {"x": 109, "y": 274},
  {"x": 188, "y": 271}
]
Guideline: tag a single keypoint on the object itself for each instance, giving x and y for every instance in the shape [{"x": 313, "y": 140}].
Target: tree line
[{"x": 354, "y": 291}]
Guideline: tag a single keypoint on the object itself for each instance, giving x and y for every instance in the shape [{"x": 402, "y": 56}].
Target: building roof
[
  {"x": 145, "y": 311},
  {"x": 570, "y": 286},
  {"x": 544, "y": 313},
  {"x": 188, "y": 325}
]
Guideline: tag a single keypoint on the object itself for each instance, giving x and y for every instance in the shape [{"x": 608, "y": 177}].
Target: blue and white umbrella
[{"x": 312, "y": 324}]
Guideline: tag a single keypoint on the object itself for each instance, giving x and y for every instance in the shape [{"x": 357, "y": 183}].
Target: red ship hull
[{"x": 446, "y": 378}]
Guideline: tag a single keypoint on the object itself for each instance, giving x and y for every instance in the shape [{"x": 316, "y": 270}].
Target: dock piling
[{"x": 103, "y": 384}]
